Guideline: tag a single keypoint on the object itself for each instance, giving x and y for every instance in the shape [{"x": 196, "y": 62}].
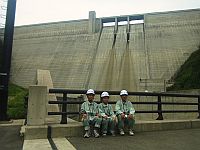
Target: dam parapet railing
[{"x": 64, "y": 102}]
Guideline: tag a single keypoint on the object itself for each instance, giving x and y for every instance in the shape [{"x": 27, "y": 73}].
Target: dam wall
[{"x": 84, "y": 54}]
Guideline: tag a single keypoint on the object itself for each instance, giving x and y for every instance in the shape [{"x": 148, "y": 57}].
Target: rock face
[{"x": 82, "y": 54}]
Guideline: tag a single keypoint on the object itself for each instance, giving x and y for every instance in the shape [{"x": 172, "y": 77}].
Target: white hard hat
[
  {"x": 104, "y": 94},
  {"x": 123, "y": 92},
  {"x": 90, "y": 91}
]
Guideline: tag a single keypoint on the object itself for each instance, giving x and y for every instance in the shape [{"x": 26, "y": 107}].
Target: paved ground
[
  {"x": 162, "y": 140},
  {"x": 9, "y": 138},
  {"x": 165, "y": 140}
]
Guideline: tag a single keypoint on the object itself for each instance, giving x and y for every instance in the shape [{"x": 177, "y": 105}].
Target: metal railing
[{"x": 159, "y": 102}]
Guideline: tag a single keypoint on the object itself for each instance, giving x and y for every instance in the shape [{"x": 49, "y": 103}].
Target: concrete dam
[{"x": 134, "y": 52}]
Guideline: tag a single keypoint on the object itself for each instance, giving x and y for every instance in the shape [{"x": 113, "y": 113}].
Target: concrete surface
[
  {"x": 18, "y": 122},
  {"x": 63, "y": 144},
  {"x": 156, "y": 50},
  {"x": 75, "y": 129},
  {"x": 173, "y": 140},
  {"x": 35, "y": 132},
  {"x": 92, "y": 22},
  {"x": 10, "y": 137},
  {"x": 77, "y": 59},
  {"x": 62, "y": 130},
  {"x": 43, "y": 78},
  {"x": 161, "y": 140},
  {"x": 57, "y": 130},
  {"x": 154, "y": 140},
  {"x": 37, "y": 105},
  {"x": 45, "y": 144},
  {"x": 37, "y": 144}
]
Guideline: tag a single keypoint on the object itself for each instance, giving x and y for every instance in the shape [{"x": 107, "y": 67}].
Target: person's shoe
[
  {"x": 112, "y": 133},
  {"x": 87, "y": 134},
  {"x": 121, "y": 132},
  {"x": 96, "y": 134},
  {"x": 104, "y": 134},
  {"x": 131, "y": 133}
]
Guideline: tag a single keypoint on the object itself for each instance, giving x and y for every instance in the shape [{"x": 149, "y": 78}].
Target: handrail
[
  {"x": 69, "y": 91},
  {"x": 159, "y": 102}
]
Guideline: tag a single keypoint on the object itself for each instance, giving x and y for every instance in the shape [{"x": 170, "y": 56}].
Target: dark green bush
[
  {"x": 16, "y": 108},
  {"x": 188, "y": 77}
]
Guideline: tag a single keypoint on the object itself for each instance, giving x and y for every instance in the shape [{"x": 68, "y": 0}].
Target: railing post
[
  {"x": 160, "y": 116},
  {"x": 37, "y": 105},
  {"x": 199, "y": 106},
  {"x": 64, "y": 109},
  {"x": 26, "y": 108},
  {"x": 80, "y": 99}
]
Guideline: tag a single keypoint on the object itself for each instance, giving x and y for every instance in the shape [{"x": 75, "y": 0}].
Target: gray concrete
[
  {"x": 44, "y": 144},
  {"x": 162, "y": 140},
  {"x": 43, "y": 78},
  {"x": 75, "y": 129},
  {"x": 67, "y": 49},
  {"x": 71, "y": 129},
  {"x": 37, "y": 105},
  {"x": 68, "y": 40},
  {"x": 63, "y": 144},
  {"x": 10, "y": 138},
  {"x": 35, "y": 132},
  {"x": 37, "y": 144},
  {"x": 78, "y": 59},
  {"x": 92, "y": 22},
  {"x": 173, "y": 140}
]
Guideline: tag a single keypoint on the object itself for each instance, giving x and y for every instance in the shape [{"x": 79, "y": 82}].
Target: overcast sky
[{"x": 40, "y": 11}]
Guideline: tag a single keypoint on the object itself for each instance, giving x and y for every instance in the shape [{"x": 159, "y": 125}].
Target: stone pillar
[
  {"x": 116, "y": 25},
  {"x": 100, "y": 24},
  {"x": 128, "y": 29},
  {"x": 44, "y": 79},
  {"x": 37, "y": 105},
  {"x": 128, "y": 25},
  {"x": 92, "y": 22}
]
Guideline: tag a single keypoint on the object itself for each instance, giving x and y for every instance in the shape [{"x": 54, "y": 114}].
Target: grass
[
  {"x": 16, "y": 108},
  {"x": 188, "y": 76}
]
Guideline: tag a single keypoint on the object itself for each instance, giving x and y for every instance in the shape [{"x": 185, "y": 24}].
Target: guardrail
[{"x": 159, "y": 102}]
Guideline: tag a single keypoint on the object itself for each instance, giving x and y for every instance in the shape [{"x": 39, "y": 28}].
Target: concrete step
[
  {"x": 48, "y": 144},
  {"x": 73, "y": 129}
]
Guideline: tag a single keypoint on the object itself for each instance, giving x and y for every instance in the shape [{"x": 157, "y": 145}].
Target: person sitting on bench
[
  {"x": 107, "y": 114},
  {"x": 125, "y": 113},
  {"x": 90, "y": 115}
]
